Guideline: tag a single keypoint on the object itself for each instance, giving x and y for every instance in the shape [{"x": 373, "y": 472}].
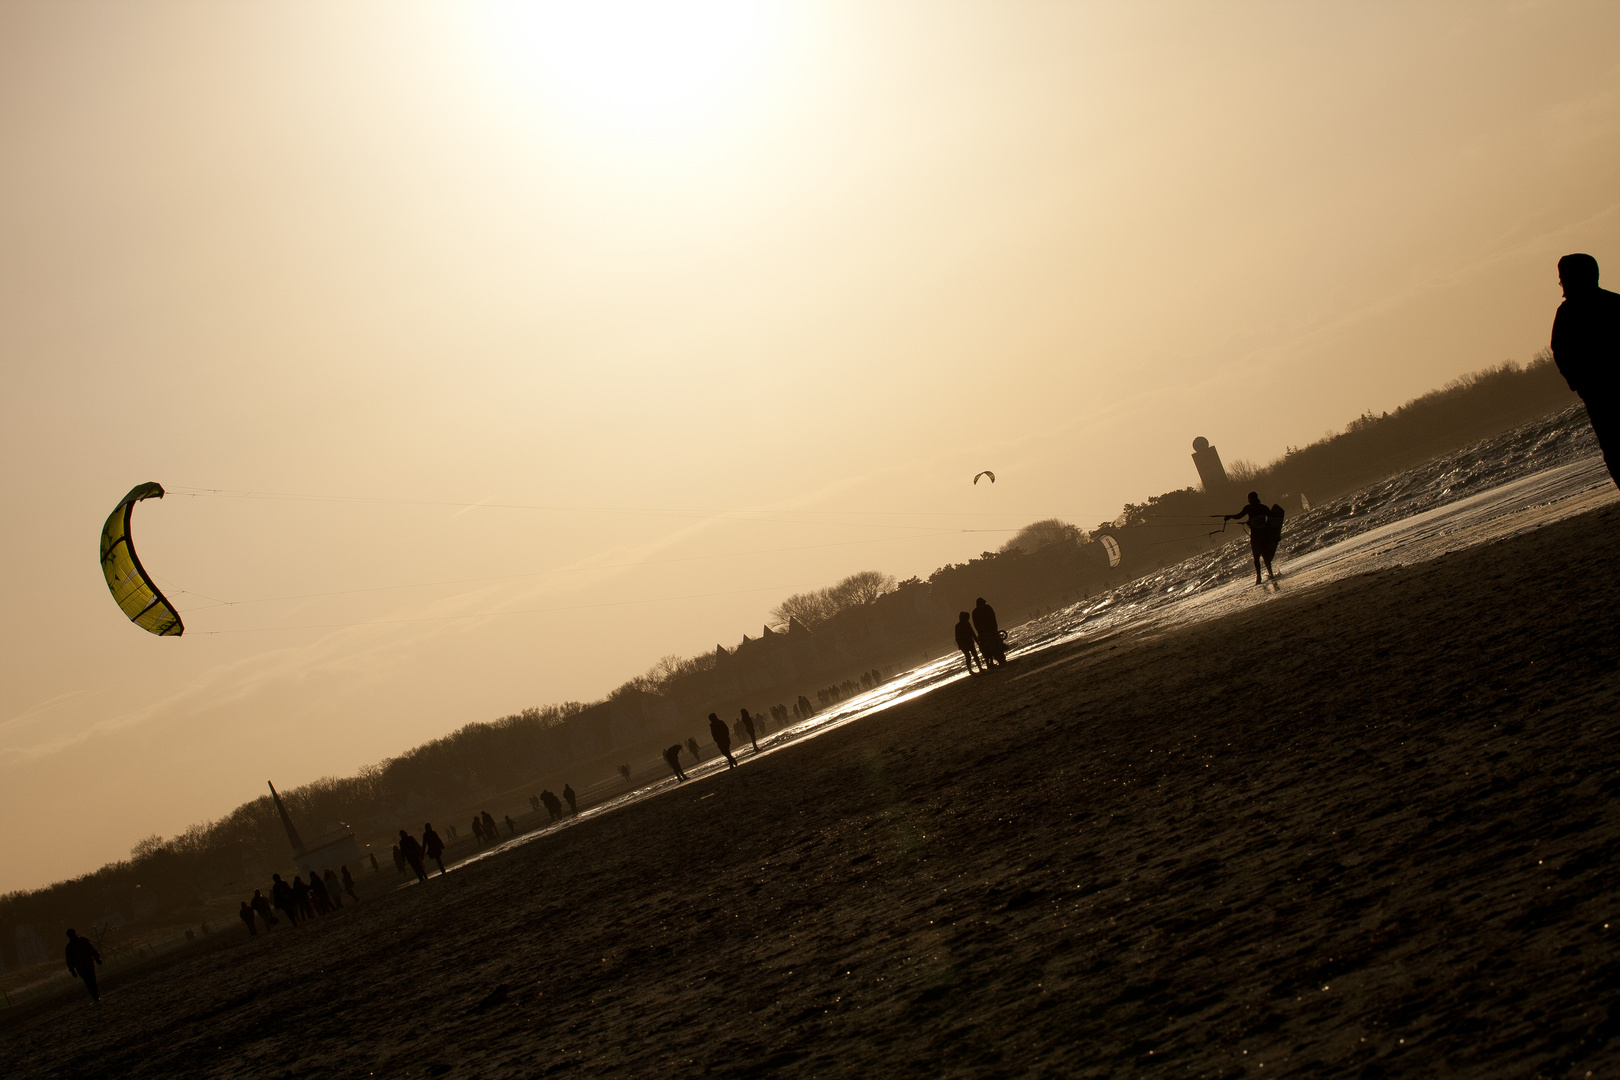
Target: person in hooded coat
[{"x": 1586, "y": 348}]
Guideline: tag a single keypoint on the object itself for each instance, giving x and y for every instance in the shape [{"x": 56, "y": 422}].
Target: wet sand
[{"x": 1362, "y": 829}]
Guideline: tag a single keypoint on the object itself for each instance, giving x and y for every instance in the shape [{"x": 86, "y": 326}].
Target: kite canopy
[
  {"x": 1111, "y": 546},
  {"x": 988, "y": 473},
  {"x": 132, "y": 590}
]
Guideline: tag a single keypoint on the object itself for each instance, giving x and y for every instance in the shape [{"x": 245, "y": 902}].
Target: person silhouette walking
[
  {"x": 722, "y": 739},
  {"x": 672, "y": 756},
  {"x": 412, "y": 851},
  {"x": 748, "y": 726},
  {"x": 82, "y": 959},
  {"x": 262, "y": 906},
  {"x": 572, "y": 798},
  {"x": 968, "y": 643},
  {"x": 433, "y": 845},
  {"x": 281, "y": 895},
  {"x": 1586, "y": 348}
]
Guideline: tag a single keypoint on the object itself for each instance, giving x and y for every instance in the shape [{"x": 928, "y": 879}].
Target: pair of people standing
[
  {"x": 415, "y": 852},
  {"x": 978, "y": 635}
]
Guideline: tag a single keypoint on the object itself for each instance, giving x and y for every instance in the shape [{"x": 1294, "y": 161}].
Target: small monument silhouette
[{"x": 1211, "y": 473}]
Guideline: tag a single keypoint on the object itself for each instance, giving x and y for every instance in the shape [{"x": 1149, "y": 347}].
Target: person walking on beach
[
  {"x": 300, "y": 895},
  {"x": 1586, "y": 348},
  {"x": 748, "y": 726},
  {"x": 1257, "y": 514},
  {"x": 672, "y": 757},
  {"x": 82, "y": 959},
  {"x": 968, "y": 643},
  {"x": 262, "y": 906},
  {"x": 985, "y": 626},
  {"x": 348, "y": 883},
  {"x": 433, "y": 845},
  {"x": 478, "y": 827},
  {"x": 281, "y": 895},
  {"x": 412, "y": 851},
  {"x": 249, "y": 920},
  {"x": 722, "y": 739},
  {"x": 318, "y": 894},
  {"x": 511, "y": 826},
  {"x": 553, "y": 805},
  {"x": 571, "y": 798},
  {"x": 334, "y": 888},
  {"x": 491, "y": 833}
]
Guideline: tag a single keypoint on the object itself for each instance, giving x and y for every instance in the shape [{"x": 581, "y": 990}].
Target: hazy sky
[{"x": 717, "y": 302}]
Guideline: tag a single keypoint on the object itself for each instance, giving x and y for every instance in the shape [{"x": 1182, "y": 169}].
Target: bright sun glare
[{"x": 638, "y": 68}]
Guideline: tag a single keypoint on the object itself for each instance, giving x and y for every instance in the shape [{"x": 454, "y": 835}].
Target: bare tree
[
  {"x": 1039, "y": 534},
  {"x": 819, "y": 606}
]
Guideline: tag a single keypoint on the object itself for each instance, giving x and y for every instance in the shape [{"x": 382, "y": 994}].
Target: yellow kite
[{"x": 131, "y": 589}]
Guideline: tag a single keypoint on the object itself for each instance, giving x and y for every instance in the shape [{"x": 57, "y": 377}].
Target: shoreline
[{"x": 1371, "y": 811}]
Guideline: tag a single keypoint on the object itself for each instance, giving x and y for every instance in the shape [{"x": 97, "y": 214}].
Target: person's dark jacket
[
  {"x": 964, "y": 635},
  {"x": 282, "y": 894},
  {"x": 984, "y": 621},
  {"x": 722, "y": 736},
  {"x": 432, "y": 844},
  {"x": 409, "y": 848},
  {"x": 82, "y": 956},
  {"x": 1586, "y": 343}
]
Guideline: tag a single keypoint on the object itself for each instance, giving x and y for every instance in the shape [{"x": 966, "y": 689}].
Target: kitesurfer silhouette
[
  {"x": 673, "y": 757},
  {"x": 1258, "y": 514},
  {"x": 1586, "y": 348}
]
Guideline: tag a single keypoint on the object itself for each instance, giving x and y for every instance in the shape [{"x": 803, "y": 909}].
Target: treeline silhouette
[{"x": 869, "y": 616}]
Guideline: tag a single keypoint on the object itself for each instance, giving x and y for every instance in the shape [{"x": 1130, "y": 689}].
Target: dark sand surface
[{"x": 1366, "y": 829}]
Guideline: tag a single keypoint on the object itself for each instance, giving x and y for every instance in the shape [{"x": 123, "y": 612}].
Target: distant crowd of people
[{"x": 299, "y": 901}]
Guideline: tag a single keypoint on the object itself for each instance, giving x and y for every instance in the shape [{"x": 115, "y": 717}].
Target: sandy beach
[{"x": 1362, "y": 829}]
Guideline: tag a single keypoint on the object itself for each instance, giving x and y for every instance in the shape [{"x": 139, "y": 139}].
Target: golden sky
[{"x": 705, "y": 303}]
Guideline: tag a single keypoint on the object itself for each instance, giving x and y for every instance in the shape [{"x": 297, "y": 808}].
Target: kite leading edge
[{"x": 132, "y": 590}]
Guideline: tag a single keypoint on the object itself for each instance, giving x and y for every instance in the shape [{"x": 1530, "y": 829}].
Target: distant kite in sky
[
  {"x": 132, "y": 590},
  {"x": 988, "y": 473}
]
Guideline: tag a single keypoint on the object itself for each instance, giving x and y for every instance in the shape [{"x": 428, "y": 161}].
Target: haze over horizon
[{"x": 605, "y": 327}]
